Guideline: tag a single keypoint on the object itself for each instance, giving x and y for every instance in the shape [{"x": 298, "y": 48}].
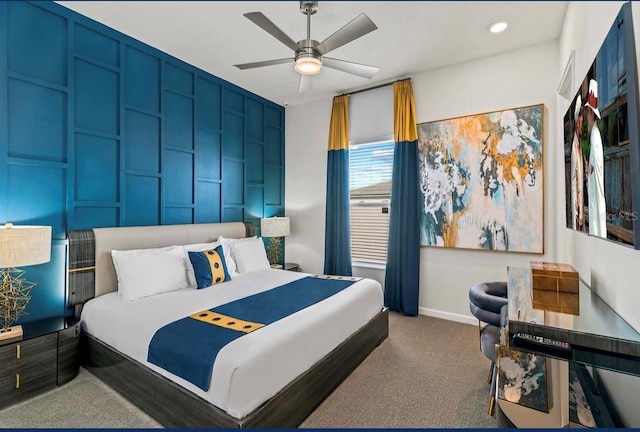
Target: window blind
[{"x": 370, "y": 172}]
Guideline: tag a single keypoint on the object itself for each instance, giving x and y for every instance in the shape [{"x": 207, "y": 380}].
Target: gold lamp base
[
  {"x": 11, "y": 333},
  {"x": 274, "y": 249},
  {"x": 14, "y": 296}
]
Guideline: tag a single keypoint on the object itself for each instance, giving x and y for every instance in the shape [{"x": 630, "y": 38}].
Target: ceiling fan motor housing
[
  {"x": 308, "y": 61},
  {"x": 307, "y": 50}
]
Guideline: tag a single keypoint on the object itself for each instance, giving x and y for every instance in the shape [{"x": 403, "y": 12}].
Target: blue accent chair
[{"x": 485, "y": 301}]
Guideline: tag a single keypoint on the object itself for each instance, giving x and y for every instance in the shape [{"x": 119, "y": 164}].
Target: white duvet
[{"x": 254, "y": 367}]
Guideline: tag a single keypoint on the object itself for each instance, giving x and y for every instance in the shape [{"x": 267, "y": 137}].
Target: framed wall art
[
  {"x": 481, "y": 181},
  {"x": 602, "y": 141}
]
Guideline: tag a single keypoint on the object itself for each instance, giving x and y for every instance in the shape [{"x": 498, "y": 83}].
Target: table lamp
[
  {"x": 275, "y": 228},
  {"x": 23, "y": 245}
]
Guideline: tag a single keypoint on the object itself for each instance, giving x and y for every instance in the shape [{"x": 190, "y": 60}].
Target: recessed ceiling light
[{"x": 498, "y": 27}]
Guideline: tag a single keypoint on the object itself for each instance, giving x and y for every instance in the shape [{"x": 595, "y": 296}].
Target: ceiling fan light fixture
[{"x": 308, "y": 65}]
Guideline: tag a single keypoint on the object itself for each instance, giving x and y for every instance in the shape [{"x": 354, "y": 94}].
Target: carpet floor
[
  {"x": 429, "y": 373},
  {"x": 85, "y": 402}
]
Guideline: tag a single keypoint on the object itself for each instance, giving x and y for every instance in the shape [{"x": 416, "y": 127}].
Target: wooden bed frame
[{"x": 170, "y": 404}]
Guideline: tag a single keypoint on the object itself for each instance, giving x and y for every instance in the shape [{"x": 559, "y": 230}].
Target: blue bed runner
[{"x": 180, "y": 348}]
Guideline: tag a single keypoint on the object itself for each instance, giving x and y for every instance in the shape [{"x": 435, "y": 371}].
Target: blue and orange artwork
[{"x": 481, "y": 181}]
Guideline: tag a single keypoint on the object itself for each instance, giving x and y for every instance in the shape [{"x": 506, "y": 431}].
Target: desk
[{"x": 599, "y": 337}]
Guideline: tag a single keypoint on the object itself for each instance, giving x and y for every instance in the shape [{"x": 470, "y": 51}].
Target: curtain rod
[{"x": 374, "y": 87}]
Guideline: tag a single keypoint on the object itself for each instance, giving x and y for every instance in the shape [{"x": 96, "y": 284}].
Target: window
[{"x": 370, "y": 169}]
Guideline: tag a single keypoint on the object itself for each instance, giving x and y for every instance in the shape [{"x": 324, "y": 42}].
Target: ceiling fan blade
[
  {"x": 357, "y": 27},
  {"x": 265, "y": 24},
  {"x": 305, "y": 84},
  {"x": 359, "y": 69},
  {"x": 244, "y": 66}
]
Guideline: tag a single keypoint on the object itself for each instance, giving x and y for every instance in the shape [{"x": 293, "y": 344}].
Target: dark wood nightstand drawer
[
  {"x": 46, "y": 356},
  {"x": 27, "y": 383},
  {"x": 26, "y": 354},
  {"x": 68, "y": 362}
]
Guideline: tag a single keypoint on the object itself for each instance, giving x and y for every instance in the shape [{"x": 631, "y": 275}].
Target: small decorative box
[{"x": 555, "y": 287}]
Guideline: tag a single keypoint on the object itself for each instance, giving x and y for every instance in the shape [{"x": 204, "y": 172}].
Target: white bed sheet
[{"x": 253, "y": 368}]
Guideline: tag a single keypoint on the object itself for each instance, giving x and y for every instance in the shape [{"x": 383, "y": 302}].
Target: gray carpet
[
  {"x": 85, "y": 402},
  {"x": 429, "y": 373}
]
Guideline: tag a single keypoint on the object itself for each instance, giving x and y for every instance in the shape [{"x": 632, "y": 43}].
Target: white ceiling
[{"x": 412, "y": 37}]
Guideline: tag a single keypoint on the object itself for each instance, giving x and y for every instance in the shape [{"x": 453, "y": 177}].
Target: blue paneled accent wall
[{"x": 98, "y": 129}]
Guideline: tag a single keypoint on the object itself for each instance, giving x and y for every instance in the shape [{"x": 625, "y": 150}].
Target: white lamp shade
[
  {"x": 275, "y": 227},
  {"x": 24, "y": 245}
]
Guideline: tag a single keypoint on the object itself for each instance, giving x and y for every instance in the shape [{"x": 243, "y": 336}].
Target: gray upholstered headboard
[{"x": 91, "y": 271}]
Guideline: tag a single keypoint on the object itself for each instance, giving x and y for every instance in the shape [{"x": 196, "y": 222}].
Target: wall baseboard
[{"x": 448, "y": 316}]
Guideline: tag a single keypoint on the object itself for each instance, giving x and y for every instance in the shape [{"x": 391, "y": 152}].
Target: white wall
[
  {"x": 306, "y": 136},
  {"x": 612, "y": 270},
  {"x": 510, "y": 80}
]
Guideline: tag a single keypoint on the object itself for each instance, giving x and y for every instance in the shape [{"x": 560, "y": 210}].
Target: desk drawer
[
  {"x": 27, "y": 354},
  {"x": 27, "y": 383}
]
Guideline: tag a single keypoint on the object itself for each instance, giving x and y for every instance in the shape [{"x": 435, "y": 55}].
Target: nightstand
[
  {"x": 291, "y": 267},
  {"x": 45, "y": 357}
]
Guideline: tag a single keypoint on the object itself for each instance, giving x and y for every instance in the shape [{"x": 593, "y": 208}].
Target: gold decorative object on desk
[
  {"x": 555, "y": 287},
  {"x": 275, "y": 228},
  {"x": 19, "y": 246}
]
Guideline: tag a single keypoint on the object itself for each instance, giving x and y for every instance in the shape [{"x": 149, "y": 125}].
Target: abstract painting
[
  {"x": 481, "y": 181},
  {"x": 522, "y": 378},
  {"x": 520, "y": 296}
]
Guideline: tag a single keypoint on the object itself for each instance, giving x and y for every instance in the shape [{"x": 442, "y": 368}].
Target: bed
[{"x": 306, "y": 354}]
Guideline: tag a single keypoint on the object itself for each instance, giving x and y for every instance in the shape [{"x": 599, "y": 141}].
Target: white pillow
[
  {"x": 145, "y": 272},
  {"x": 196, "y": 247},
  {"x": 227, "y": 243},
  {"x": 250, "y": 255}
]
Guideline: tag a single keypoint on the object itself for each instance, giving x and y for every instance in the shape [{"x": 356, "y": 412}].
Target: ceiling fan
[{"x": 310, "y": 54}]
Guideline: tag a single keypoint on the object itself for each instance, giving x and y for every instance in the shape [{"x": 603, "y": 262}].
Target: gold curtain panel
[
  {"x": 404, "y": 112},
  {"x": 339, "y": 126}
]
